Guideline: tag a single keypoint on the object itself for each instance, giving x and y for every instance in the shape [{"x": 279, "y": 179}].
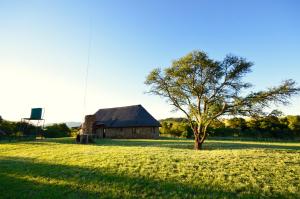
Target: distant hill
[
  {"x": 73, "y": 124},
  {"x": 69, "y": 124},
  {"x": 172, "y": 119}
]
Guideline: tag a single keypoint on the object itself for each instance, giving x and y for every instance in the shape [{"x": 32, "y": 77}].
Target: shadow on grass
[
  {"x": 177, "y": 143},
  {"x": 24, "y": 178}
]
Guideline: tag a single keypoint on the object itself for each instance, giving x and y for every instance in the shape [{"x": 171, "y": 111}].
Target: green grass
[{"x": 164, "y": 168}]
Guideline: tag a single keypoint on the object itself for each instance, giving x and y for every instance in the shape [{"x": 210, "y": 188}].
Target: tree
[
  {"x": 237, "y": 123},
  {"x": 205, "y": 89},
  {"x": 294, "y": 124}
]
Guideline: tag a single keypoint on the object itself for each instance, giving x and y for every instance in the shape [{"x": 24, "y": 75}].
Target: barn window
[
  {"x": 133, "y": 130},
  {"x": 121, "y": 129}
]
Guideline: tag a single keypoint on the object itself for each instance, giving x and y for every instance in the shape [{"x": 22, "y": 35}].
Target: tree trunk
[
  {"x": 197, "y": 145},
  {"x": 199, "y": 140}
]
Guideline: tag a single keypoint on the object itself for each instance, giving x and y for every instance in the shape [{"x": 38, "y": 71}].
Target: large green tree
[{"x": 205, "y": 89}]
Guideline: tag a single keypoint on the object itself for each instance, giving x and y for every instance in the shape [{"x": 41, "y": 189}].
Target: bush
[
  {"x": 176, "y": 128},
  {"x": 74, "y": 132},
  {"x": 7, "y": 127},
  {"x": 25, "y": 129},
  {"x": 57, "y": 130}
]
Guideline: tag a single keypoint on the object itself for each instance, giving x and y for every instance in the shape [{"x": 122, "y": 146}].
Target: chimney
[{"x": 87, "y": 127}]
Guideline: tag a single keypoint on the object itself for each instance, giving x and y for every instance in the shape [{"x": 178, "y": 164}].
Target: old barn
[{"x": 122, "y": 122}]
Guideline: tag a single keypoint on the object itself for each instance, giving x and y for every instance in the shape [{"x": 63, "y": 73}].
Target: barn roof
[{"x": 127, "y": 116}]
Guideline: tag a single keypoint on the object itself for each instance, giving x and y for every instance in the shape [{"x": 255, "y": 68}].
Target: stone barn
[{"x": 122, "y": 122}]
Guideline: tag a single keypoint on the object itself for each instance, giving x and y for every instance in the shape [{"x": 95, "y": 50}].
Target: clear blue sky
[{"x": 44, "y": 49}]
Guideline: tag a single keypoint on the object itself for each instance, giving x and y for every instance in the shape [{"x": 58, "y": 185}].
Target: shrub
[
  {"x": 57, "y": 130},
  {"x": 7, "y": 127},
  {"x": 176, "y": 128}
]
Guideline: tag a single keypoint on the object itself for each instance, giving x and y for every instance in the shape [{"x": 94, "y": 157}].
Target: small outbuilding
[{"x": 121, "y": 122}]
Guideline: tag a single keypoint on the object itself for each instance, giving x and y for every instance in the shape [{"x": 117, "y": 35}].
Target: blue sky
[{"x": 44, "y": 49}]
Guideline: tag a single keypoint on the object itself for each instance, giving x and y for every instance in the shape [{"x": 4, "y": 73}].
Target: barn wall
[
  {"x": 138, "y": 132},
  {"x": 99, "y": 132}
]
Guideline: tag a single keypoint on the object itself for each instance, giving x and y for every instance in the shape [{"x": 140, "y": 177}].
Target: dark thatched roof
[{"x": 128, "y": 116}]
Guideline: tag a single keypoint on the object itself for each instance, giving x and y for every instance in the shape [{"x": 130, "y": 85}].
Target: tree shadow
[{"x": 25, "y": 178}]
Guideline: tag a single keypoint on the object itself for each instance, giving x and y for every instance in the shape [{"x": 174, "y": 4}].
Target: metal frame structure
[{"x": 32, "y": 117}]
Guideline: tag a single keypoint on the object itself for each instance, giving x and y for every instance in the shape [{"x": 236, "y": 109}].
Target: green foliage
[
  {"x": 74, "y": 132},
  {"x": 236, "y": 123},
  {"x": 294, "y": 122},
  {"x": 57, "y": 130},
  {"x": 163, "y": 168},
  {"x": 27, "y": 129},
  {"x": 177, "y": 127},
  {"x": 264, "y": 127},
  {"x": 270, "y": 126},
  {"x": 7, "y": 127},
  {"x": 18, "y": 130}
]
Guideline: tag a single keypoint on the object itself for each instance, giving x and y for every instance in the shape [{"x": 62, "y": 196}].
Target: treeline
[
  {"x": 271, "y": 126},
  {"x": 15, "y": 130}
]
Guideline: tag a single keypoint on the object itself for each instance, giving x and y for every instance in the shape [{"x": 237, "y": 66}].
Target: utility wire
[{"x": 87, "y": 69}]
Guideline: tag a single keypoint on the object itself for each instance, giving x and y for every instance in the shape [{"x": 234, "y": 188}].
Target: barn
[{"x": 122, "y": 122}]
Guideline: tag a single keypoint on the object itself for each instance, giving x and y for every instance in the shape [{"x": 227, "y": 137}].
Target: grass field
[{"x": 164, "y": 168}]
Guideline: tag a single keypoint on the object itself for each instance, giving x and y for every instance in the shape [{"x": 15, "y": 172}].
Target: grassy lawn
[{"x": 164, "y": 168}]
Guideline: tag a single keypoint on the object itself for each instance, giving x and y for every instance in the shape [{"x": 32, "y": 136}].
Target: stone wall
[
  {"x": 127, "y": 133},
  {"x": 87, "y": 127}
]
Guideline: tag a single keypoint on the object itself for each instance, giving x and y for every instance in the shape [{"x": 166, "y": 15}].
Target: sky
[{"x": 46, "y": 46}]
